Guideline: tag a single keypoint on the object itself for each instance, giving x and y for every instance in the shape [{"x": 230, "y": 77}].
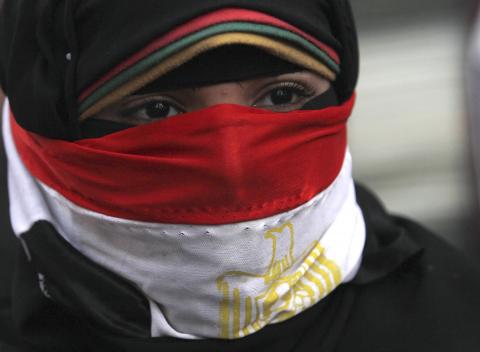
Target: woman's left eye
[
  {"x": 151, "y": 110},
  {"x": 284, "y": 95}
]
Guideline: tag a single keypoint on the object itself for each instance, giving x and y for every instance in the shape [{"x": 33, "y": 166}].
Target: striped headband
[{"x": 207, "y": 32}]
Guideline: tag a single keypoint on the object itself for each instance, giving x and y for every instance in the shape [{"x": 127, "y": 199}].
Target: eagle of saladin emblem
[{"x": 290, "y": 286}]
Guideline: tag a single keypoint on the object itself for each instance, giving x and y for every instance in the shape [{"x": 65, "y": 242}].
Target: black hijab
[{"x": 51, "y": 50}]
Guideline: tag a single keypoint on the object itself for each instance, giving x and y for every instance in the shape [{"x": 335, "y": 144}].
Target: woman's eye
[
  {"x": 152, "y": 110},
  {"x": 287, "y": 94},
  {"x": 282, "y": 96}
]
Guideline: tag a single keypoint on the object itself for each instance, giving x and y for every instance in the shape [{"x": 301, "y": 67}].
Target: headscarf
[{"x": 51, "y": 51}]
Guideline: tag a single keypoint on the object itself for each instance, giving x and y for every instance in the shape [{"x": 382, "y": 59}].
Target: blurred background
[{"x": 409, "y": 135}]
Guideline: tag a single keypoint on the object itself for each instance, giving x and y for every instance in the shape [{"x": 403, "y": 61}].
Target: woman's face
[{"x": 281, "y": 93}]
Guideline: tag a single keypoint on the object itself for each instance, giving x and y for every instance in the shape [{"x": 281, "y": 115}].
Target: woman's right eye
[{"x": 151, "y": 110}]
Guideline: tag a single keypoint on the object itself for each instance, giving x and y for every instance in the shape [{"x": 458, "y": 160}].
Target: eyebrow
[{"x": 193, "y": 89}]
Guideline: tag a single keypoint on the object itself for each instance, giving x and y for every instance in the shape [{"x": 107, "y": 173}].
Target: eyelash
[
  {"x": 298, "y": 88},
  {"x": 128, "y": 111}
]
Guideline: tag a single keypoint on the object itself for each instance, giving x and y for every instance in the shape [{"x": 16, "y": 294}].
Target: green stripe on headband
[{"x": 163, "y": 53}]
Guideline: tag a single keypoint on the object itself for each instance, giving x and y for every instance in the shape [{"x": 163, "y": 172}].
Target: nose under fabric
[{"x": 223, "y": 164}]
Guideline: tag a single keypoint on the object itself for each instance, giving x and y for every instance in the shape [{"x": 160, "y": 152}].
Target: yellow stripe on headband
[{"x": 274, "y": 47}]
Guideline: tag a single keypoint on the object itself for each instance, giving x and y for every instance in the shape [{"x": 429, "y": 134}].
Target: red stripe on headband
[
  {"x": 213, "y": 18},
  {"x": 223, "y": 164}
]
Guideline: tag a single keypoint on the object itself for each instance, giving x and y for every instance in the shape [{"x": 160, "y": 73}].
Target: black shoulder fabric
[
  {"x": 43, "y": 82},
  {"x": 84, "y": 288},
  {"x": 7, "y": 239},
  {"x": 9, "y": 340},
  {"x": 430, "y": 303},
  {"x": 387, "y": 246},
  {"x": 42, "y": 324}
]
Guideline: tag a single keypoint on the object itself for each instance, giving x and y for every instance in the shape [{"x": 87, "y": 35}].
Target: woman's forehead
[{"x": 248, "y": 86}]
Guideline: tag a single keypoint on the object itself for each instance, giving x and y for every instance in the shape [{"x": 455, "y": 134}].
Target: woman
[{"x": 179, "y": 179}]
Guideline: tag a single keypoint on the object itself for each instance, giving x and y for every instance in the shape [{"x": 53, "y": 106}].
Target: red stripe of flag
[{"x": 243, "y": 164}]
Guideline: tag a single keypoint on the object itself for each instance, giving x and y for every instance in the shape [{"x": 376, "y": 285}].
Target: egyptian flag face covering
[
  {"x": 225, "y": 219},
  {"x": 234, "y": 219}
]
